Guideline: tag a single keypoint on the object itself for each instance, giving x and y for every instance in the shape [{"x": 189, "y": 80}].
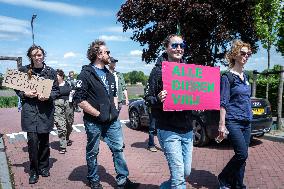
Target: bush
[{"x": 8, "y": 102}]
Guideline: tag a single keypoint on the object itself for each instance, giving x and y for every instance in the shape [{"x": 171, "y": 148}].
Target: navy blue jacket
[
  {"x": 235, "y": 98},
  {"x": 91, "y": 88},
  {"x": 177, "y": 121}
]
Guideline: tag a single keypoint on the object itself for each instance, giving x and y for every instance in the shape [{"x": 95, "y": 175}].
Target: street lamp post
[{"x": 32, "y": 25}]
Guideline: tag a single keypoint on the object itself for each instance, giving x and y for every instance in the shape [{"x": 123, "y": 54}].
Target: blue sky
[{"x": 65, "y": 29}]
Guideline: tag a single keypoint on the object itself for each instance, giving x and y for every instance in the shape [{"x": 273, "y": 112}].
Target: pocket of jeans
[{"x": 104, "y": 113}]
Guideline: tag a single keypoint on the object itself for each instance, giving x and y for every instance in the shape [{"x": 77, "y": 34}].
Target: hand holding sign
[
  {"x": 31, "y": 94},
  {"x": 34, "y": 87},
  {"x": 190, "y": 87},
  {"x": 162, "y": 95}
]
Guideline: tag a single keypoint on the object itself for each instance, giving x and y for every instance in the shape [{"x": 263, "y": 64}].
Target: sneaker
[
  {"x": 44, "y": 172},
  {"x": 69, "y": 143},
  {"x": 152, "y": 149},
  {"x": 129, "y": 185},
  {"x": 62, "y": 150},
  {"x": 33, "y": 178}
]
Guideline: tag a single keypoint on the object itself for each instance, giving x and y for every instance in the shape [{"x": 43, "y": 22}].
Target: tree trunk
[
  {"x": 254, "y": 85},
  {"x": 268, "y": 67},
  {"x": 280, "y": 124}
]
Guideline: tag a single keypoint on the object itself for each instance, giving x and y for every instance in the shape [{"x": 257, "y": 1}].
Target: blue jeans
[
  {"x": 233, "y": 173},
  {"x": 152, "y": 127},
  {"x": 178, "y": 151},
  {"x": 112, "y": 135}
]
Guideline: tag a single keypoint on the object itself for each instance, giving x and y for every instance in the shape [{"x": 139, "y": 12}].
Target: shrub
[{"x": 8, "y": 102}]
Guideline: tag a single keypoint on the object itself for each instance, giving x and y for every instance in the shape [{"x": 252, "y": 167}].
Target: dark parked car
[{"x": 205, "y": 123}]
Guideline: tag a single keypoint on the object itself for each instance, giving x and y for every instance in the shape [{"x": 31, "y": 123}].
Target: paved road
[{"x": 265, "y": 166}]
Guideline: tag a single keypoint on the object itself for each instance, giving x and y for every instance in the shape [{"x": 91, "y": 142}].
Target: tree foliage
[
  {"x": 274, "y": 85},
  {"x": 135, "y": 77},
  {"x": 207, "y": 26},
  {"x": 267, "y": 21},
  {"x": 280, "y": 43}
]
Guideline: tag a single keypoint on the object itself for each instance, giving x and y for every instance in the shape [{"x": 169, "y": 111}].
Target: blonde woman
[{"x": 236, "y": 114}]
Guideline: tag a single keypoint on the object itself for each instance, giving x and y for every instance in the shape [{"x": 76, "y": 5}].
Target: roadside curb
[
  {"x": 274, "y": 137},
  {"x": 4, "y": 171}
]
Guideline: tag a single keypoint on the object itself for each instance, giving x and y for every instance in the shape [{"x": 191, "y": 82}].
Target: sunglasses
[
  {"x": 181, "y": 45},
  {"x": 108, "y": 52},
  {"x": 245, "y": 53}
]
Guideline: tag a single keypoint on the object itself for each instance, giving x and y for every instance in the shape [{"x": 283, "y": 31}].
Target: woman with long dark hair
[{"x": 37, "y": 116}]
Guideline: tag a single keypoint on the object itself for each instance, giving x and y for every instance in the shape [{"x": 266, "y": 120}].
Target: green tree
[
  {"x": 267, "y": 23},
  {"x": 280, "y": 43},
  {"x": 207, "y": 26}
]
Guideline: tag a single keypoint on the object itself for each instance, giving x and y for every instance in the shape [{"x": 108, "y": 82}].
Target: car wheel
[
  {"x": 200, "y": 137},
  {"x": 134, "y": 119}
]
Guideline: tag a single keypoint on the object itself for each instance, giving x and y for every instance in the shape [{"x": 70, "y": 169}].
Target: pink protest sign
[{"x": 191, "y": 87}]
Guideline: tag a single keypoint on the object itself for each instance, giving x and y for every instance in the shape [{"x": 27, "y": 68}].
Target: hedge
[{"x": 8, "y": 101}]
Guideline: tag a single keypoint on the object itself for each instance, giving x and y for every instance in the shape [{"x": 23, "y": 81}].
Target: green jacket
[{"x": 121, "y": 86}]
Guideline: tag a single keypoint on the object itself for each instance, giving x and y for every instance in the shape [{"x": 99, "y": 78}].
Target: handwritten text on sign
[
  {"x": 19, "y": 80},
  {"x": 191, "y": 87}
]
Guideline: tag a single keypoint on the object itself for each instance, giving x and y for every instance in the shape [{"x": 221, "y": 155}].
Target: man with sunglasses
[
  {"x": 174, "y": 128},
  {"x": 96, "y": 95}
]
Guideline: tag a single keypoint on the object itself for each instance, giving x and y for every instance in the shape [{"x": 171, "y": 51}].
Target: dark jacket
[
  {"x": 64, "y": 91},
  {"x": 177, "y": 121},
  {"x": 91, "y": 88},
  {"x": 36, "y": 115}
]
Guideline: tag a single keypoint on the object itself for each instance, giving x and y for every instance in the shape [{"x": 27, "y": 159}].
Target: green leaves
[{"x": 208, "y": 27}]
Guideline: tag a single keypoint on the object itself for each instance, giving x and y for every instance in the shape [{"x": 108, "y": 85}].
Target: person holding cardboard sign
[
  {"x": 174, "y": 128},
  {"x": 235, "y": 114},
  {"x": 37, "y": 114}
]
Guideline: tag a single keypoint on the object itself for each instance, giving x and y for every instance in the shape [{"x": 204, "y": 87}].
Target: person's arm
[
  {"x": 224, "y": 100},
  {"x": 81, "y": 95},
  {"x": 126, "y": 97},
  {"x": 115, "y": 100},
  {"x": 88, "y": 108}
]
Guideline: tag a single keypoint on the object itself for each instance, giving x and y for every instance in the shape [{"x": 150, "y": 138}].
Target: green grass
[
  {"x": 134, "y": 96},
  {"x": 8, "y": 101}
]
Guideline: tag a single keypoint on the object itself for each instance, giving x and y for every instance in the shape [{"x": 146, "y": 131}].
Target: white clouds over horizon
[
  {"x": 114, "y": 38},
  {"x": 13, "y": 28},
  {"x": 58, "y": 7},
  {"x": 69, "y": 55},
  {"x": 136, "y": 53}
]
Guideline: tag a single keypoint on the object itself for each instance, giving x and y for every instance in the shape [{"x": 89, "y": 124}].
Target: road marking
[{"x": 20, "y": 136}]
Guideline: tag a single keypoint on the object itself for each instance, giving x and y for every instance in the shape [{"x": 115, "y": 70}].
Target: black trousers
[{"x": 39, "y": 152}]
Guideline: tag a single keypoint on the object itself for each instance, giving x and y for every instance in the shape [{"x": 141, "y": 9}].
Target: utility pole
[{"x": 32, "y": 25}]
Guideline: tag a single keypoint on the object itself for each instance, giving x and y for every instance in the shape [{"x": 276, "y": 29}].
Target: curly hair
[
  {"x": 235, "y": 49},
  {"x": 168, "y": 38},
  {"x": 29, "y": 55},
  {"x": 94, "y": 49}
]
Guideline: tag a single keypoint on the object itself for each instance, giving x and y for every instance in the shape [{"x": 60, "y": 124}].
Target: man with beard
[{"x": 96, "y": 95}]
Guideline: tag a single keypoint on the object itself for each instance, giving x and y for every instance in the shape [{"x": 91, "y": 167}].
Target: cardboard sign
[
  {"x": 191, "y": 87},
  {"x": 19, "y": 80}
]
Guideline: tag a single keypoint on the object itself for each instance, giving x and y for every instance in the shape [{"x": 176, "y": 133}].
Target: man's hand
[{"x": 126, "y": 102}]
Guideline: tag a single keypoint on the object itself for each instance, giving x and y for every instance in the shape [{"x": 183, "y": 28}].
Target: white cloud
[
  {"x": 58, "y": 7},
  {"x": 136, "y": 53},
  {"x": 12, "y": 29},
  {"x": 114, "y": 38},
  {"x": 69, "y": 54}
]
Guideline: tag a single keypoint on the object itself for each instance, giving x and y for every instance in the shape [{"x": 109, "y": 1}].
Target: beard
[{"x": 105, "y": 61}]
